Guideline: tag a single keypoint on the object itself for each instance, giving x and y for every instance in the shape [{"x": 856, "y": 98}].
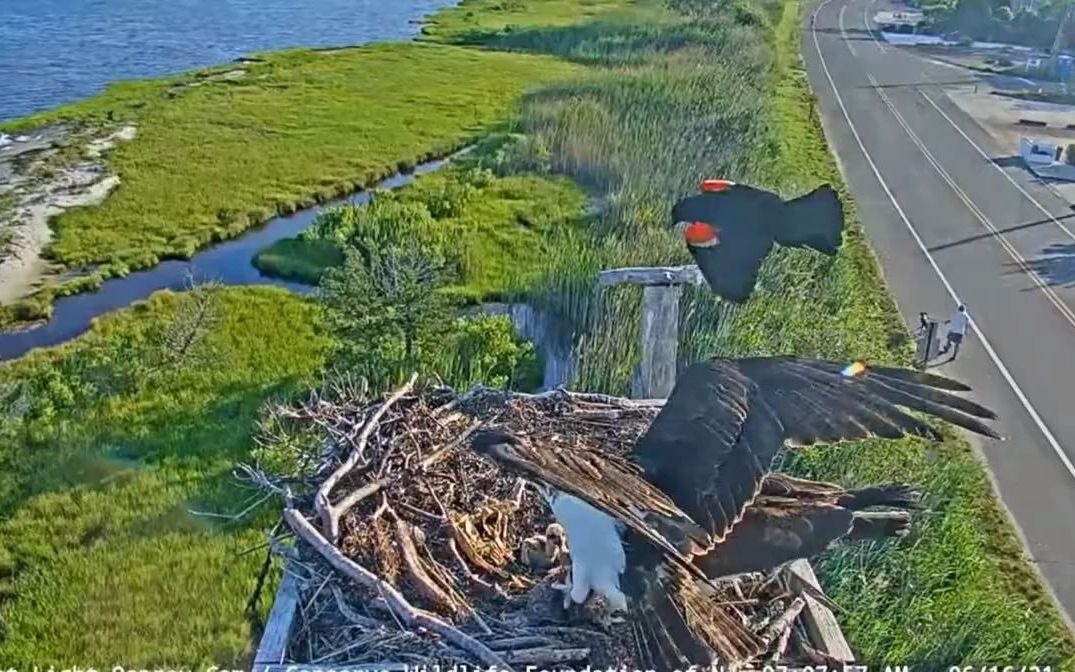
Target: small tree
[{"x": 385, "y": 310}]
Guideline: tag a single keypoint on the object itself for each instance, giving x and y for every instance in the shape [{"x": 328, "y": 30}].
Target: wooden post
[
  {"x": 821, "y": 624},
  {"x": 662, "y": 288},
  {"x": 273, "y": 646}
]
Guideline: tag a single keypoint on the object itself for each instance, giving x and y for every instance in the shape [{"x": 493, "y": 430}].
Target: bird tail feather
[{"x": 815, "y": 220}]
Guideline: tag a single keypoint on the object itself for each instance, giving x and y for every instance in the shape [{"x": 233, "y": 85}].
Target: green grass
[
  {"x": 298, "y": 259},
  {"x": 105, "y": 453},
  {"x": 101, "y": 561},
  {"x": 495, "y": 232},
  {"x": 482, "y": 16},
  {"x": 211, "y": 160}
]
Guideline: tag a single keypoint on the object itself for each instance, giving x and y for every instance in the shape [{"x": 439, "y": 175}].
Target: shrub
[
  {"x": 384, "y": 307},
  {"x": 487, "y": 350}
]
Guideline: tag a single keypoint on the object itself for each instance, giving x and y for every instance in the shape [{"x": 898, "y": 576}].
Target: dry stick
[
  {"x": 373, "y": 487},
  {"x": 444, "y": 578},
  {"x": 395, "y": 600},
  {"x": 330, "y": 515},
  {"x": 420, "y": 512},
  {"x": 782, "y": 624},
  {"x": 420, "y": 578},
  {"x": 350, "y": 614},
  {"x": 487, "y": 589},
  {"x": 471, "y": 554},
  {"x": 546, "y": 656},
  {"x": 517, "y": 642},
  {"x": 255, "y": 597}
]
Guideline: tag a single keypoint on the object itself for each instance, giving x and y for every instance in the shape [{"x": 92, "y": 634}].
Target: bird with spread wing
[{"x": 643, "y": 530}]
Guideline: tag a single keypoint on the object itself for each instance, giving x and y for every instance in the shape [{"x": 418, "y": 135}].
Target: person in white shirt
[{"x": 957, "y": 328}]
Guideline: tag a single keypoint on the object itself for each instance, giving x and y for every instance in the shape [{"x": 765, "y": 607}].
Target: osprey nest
[{"x": 412, "y": 550}]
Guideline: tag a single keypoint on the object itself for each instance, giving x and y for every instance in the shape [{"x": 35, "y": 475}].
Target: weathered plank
[
  {"x": 660, "y": 339},
  {"x": 652, "y": 275},
  {"x": 274, "y": 640},
  {"x": 821, "y": 624}
]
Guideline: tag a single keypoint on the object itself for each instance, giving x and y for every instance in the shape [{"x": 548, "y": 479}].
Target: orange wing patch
[
  {"x": 716, "y": 185},
  {"x": 701, "y": 234}
]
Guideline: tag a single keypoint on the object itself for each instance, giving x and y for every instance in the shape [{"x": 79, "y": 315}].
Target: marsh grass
[
  {"x": 494, "y": 233},
  {"x": 117, "y": 482},
  {"x": 215, "y": 156},
  {"x": 101, "y": 559}
]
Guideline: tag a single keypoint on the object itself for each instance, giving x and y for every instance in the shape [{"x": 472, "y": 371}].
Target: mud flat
[{"x": 42, "y": 174}]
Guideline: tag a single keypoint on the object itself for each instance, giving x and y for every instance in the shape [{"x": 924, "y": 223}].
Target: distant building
[{"x": 899, "y": 21}]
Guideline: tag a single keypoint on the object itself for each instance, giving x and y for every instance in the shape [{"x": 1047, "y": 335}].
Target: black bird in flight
[
  {"x": 730, "y": 228},
  {"x": 661, "y": 516}
]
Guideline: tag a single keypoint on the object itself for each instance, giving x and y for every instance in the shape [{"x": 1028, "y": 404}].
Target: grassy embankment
[
  {"x": 640, "y": 127},
  {"x": 215, "y": 155}
]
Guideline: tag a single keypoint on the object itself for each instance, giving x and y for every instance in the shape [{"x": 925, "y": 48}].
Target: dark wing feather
[
  {"x": 711, "y": 445},
  {"x": 677, "y": 625},
  {"x": 613, "y": 487},
  {"x": 880, "y": 393},
  {"x": 726, "y": 420},
  {"x": 779, "y": 484},
  {"x": 899, "y": 495},
  {"x": 776, "y": 530}
]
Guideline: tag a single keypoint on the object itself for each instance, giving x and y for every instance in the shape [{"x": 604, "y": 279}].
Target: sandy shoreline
[{"x": 35, "y": 192}]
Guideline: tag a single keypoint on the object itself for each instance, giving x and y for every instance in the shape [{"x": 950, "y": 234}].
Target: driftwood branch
[
  {"x": 397, "y": 603},
  {"x": 329, "y": 514},
  {"x": 518, "y": 642},
  {"x": 780, "y": 628},
  {"x": 442, "y": 596}
]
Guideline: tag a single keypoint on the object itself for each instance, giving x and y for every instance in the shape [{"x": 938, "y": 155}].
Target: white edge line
[
  {"x": 972, "y": 143},
  {"x": 843, "y": 33},
  {"x": 866, "y": 25},
  {"x": 1003, "y": 172},
  {"x": 932, "y": 262},
  {"x": 1005, "y": 244}
]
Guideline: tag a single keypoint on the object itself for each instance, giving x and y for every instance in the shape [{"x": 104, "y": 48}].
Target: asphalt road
[{"x": 951, "y": 215}]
